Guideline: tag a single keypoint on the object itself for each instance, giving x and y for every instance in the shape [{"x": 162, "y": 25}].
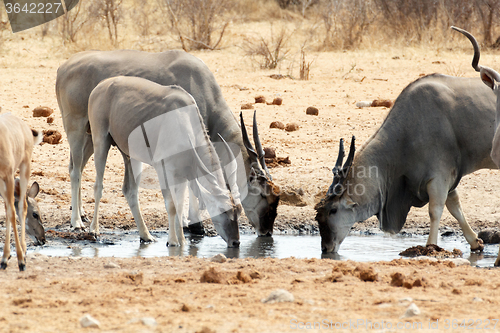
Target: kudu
[{"x": 16, "y": 146}]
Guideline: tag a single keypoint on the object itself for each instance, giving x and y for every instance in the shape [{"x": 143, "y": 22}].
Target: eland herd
[{"x": 167, "y": 110}]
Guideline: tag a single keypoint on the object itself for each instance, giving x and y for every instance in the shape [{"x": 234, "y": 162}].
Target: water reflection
[{"x": 355, "y": 247}]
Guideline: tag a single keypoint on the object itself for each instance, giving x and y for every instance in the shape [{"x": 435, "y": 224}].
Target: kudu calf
[{"x": 16, "y": 146}]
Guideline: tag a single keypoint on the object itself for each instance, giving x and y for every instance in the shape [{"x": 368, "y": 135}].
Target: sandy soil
[{"x": 55, "y": 293}]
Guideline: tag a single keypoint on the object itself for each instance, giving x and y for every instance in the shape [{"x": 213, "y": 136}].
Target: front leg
[
  {"x": 437, "y": 191},
  {"x": 173, "y": 197},
  {"x": 454, "y": 207}
]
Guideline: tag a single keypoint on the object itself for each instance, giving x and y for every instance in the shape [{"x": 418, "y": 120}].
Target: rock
[
  {"x": 88, "y": 321},
  {"x": 363, "y": 104},
  {"x": 313, "y": 111},
  {"x": 42, "y": 111},
  {"x": 411, "y": 311},
  {"x": 185, "y": 308},
  {"x": 111, "y": 265},
  {"x": 52, "y": 137},
  {"x": 149, "y": 321},
  {"x": 291, "y": 127},
  {"x": 50, "y": 120},
  {"x": 247, "y": 106},
  {"x": 260, "y": 99},
  {"x": 477, "y": 299},
  {"x": 269, "y": 152},
  {"x": 458, "y": 261},
  {"x": 220, "y": 258},
  {"x": 277, "y": 296},
  {"x": 277, "y": 124}
]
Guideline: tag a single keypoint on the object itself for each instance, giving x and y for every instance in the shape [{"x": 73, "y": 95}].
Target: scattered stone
[
  {"x": 255, "y": 275},
  {"x": 277, "y": 124},
  {"x": 50, "y": 120},
  {"x": 243, "y": 277},
  {"x": 269, "y": 152},
  {"x": 26, "y": 106},
  {"x": 489, "y": 236},
  {"x": 397, "y": 279},
  {"x": 477, "y": 299},
  {"x": 276, "y": 101},
  {"x": 411, "y": 311},
  {"x": 279, "y": 76},
  {"x": 313, "y": 111},
  {"x": 42, "y": 111},
  {"x": 247, "y": 106},
  {"x": 185, "y": 308},
  {"x": 211, "y": 275},
  {"x": 220, "y": 258},
  {"x": 88, "y": 321},
  {"x": 111, "y": 265},
  {"x": 135, "y": 277},
  {"x": 277, "y": 296},
  {"x": 291, "y": 127},
  {"x": 52, "y": 137},
  {"x": 205, "y": 329},
  {"x": 363, "y": 104},
  {"x": 367, "y": 274},
  {"x": 456, "y": 291},
  {"x": 458, "y": 261},
  {"x": 149, "y": 321},
  {"x": 382, "y": 102},
  {"x": 260, "y": 99}
]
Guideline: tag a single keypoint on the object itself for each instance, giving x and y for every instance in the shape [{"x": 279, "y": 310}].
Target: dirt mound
[
  {"x": 430, "y": 251},
  {"x": 70, "y": 235}
]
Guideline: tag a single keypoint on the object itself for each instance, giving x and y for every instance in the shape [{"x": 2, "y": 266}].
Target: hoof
[
  {"x": 22, "y": 267},
  {"x": 84, "y": 219},
  {"x": 3, "y": 265},
  {"x": 497, "y": 263},
  {"x": 148, "y": 241},
  {"x": 480, "y": 246}
]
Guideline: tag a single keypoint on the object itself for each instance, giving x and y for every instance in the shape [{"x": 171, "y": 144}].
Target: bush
[{"x": 199, "y": 24}]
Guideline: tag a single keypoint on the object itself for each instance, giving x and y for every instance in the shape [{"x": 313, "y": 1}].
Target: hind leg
[
  {"x": 438, "y": 193},
  {"x": 101, "y": 155},
  {"x": 454, "y": 207},
  {"x": 130, "y": 190}
]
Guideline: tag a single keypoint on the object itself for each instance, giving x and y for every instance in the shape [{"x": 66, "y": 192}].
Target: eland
[
  {"x": 161, "y": 126},
  {"x": 79, "y": 75},
  {"x": 490, "y": 78}
]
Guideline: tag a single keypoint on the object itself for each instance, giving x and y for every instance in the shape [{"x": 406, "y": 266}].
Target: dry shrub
[
  {"x": 199, "y": 24},
  {"x": 108, "y": 13},
  {"x": 71, "y": 23},
  {"x": 269, "y": 51}
]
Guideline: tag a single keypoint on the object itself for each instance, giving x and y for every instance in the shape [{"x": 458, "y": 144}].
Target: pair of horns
[
  {"x": 488, "y": 75},
  {"x": 257, "y": 153},
  {"x": 340, "y": 172}
]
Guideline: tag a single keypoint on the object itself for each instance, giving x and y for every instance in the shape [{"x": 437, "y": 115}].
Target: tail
[{"x": 37, "y": 137}]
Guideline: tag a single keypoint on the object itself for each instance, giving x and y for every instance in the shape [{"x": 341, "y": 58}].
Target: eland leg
[
  {"x": 101, "y": 155},
  {"x": 438, "y": 193},
  {"x": 130, "y": 190},
  {"x": 196, "y": 221},
  {"x": 80, "y": 151},
  {"x": 454, "y": 207},
  {"x": 7, "y": 193},
  {"x": 173, "y": 197}
]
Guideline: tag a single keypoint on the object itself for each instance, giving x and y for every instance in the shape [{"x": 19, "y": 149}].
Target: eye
[
  {"x": 333, "y": 211},
  {"x": 36, "y": 216}
]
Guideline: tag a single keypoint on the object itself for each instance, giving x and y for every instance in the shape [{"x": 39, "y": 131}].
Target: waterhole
[{"x": 377, "y": 247}]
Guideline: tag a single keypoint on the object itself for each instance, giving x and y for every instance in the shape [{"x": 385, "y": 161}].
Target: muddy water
[{"x": 355, "y": 247}]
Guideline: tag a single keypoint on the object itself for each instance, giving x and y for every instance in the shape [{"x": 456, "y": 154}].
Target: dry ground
[{"x": 55, "y": 292}]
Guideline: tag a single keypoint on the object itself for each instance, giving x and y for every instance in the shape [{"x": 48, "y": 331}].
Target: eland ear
[
  {"x": 489, "y": 76},
  {"x": 349, "y": 203}
]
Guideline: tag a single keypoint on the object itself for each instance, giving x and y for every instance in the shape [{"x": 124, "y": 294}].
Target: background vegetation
[{"x": 317, "y": 25}]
